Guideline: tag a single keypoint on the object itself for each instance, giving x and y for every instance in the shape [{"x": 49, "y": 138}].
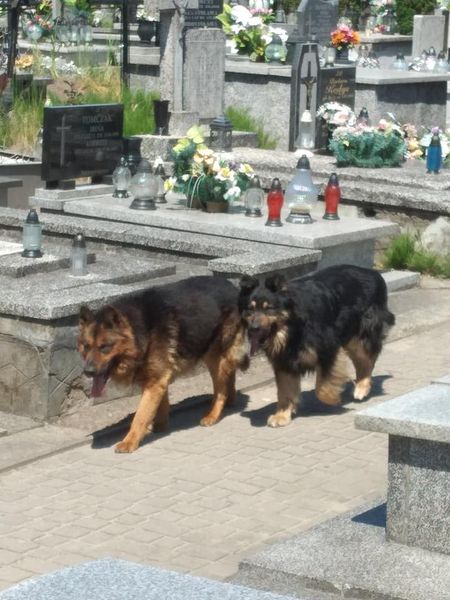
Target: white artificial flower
[
  {"x": 237, "y": 28},
  {"x": 185, "y": 177},
  {"x": 255, "y": 21},
  {"x": 234, "y": 193},
  {"x": 281, "y": 33},
  {"x": 240, "y": 14}
]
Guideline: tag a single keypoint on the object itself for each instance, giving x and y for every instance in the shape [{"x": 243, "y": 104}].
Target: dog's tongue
[
  {"x": 98, "y": 385},
  {"x": 255, "y": 342}
]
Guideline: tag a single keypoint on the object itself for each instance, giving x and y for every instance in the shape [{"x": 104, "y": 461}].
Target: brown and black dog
[
  {"x": 152, "y": 338},
  {"x": 303, "y": 324}
]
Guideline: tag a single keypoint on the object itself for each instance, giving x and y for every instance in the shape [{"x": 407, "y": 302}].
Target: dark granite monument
[
  {"x": 80, "y": 141},
  {"x": 316, "y": 19},
  {"x": 336, "y": 84}
]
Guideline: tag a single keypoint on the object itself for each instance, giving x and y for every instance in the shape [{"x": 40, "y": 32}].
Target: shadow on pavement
[{"x": 187, "y": 414}]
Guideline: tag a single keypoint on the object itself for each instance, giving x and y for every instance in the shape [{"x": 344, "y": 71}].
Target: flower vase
[
  {"x": 146, "y": 31},
  {"x": 216, "y": 206},
  {"x": 342, "y": 55},
  {"x": 34, "y": 32}
]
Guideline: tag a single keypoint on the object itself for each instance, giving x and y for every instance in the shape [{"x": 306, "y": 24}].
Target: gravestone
[
  {"x": 336, "y": 84},
  {"x": 204, "y": 72},
  {"x": 203, "y": 16},
  {"x": 305, "y": 73},
  {"x": 317, "y": 18},
  {"x": 80, "y": 141},
  {"x": 429, "y": 30}
]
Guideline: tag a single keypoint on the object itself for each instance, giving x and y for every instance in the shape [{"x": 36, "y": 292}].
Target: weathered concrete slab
[
  {"x": 401, "y": 280},
  {"x": 349, "y": 557},
  {"x": 15, "y": 265},
  {"x": 123, "y": 580}
]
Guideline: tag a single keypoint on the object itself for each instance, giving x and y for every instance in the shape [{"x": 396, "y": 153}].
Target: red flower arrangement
[{"x": 344, "y": 37}]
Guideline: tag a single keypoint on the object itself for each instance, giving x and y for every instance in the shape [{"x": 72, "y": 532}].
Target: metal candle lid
[
  {"x": 79, "y": 241},
  {"x": 303, "y": 163},
  {"x": 32, "y": 217}
]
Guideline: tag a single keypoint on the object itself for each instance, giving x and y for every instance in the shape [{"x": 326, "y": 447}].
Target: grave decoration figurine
[{"x": 160, "y": 175}]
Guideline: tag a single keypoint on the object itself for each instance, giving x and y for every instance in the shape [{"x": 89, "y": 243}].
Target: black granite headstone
[
  {"x": 336, "y": 84},
  {"x": 205, "y": 15},
  {"x": 81, "y": 141},
  {"x": 317, "y": 18}
]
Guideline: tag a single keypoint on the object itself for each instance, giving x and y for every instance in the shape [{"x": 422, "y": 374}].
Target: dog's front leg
[
  {"x": 288, "y": 390},
  {"x": 142, "y": 423}
]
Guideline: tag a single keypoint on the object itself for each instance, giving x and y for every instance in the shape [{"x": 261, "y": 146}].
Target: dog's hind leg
[
  {"x": 147, "y": 409},
  {"x": 288, "y": 391},
  {"x": 364, "y": 363},
  {"x": 330, "y": 383}
]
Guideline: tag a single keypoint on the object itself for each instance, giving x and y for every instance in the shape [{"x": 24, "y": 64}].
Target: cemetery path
[{"x": 199, "y": 499}]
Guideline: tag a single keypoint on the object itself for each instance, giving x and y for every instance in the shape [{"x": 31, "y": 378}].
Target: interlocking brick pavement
[{"x": 198, "y": 499}]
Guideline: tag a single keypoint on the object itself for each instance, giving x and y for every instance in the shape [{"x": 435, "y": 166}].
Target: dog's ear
[
  {"x": 111, "y": 318},
  {"x": 248, "y": 284},
  {"x": 86, "y": 316},
  {"x": 276, "y": 283}
]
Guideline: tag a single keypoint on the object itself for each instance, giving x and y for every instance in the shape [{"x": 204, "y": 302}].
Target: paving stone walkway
[{"x": 198, "y": 499}]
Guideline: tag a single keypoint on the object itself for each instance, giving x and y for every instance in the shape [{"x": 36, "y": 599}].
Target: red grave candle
[
  {"x": 275, "y": 199},
  {"x": 332, "y": 198}
]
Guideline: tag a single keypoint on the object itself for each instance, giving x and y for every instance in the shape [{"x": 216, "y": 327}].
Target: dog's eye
[{"x": 106, "y": 348}]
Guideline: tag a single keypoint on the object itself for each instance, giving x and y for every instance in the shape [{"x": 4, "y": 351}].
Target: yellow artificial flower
[
  {"x": 169, "y": 184},
  {"x": 195, "y": 134},
  {"x": 246, "y": 168}
]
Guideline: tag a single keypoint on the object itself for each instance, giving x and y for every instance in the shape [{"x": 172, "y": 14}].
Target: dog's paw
[
  {"x": 279, "y": 420},
  {"x": 126, "y": 447},
  {"x": 362, "y": 389},
  {"x": 208, "y": 420}
]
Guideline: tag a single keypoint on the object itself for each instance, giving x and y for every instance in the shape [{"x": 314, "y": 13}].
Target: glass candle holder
[
  {"x": 144, "y": 187},
  {"x": 121, "y": 179},
  {"x": 332, "y": 196},
  {"x": 254, "y": 198},
  {"x": 78, "y": 257},
  {"x": 32, "y": 236}
]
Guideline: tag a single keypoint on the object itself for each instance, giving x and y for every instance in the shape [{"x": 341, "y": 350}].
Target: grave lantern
[
  {"x": 389, "y": 21},
  {"x": 32, "y": 236},
  {"x": 275, "y": 201},
  {"x": 121, "y": 178},
  {"x": 306, "y": 135},
  {"x": 254, "y": 198},
  {"x": 301, "y": 193},
  {"x": 332, "y": 198},
  {"x": 442, "y": 63},
  {"x": 160, "y": 175},
  {"x": 275, "y": 51},
  {"x": 62, "y": 31},
  {"x": 330, "y": 55},
  {"x": 78, "y": 256},
  {"x": 220, "y": 132},
  {"x": 400, "y": 63},
  {"x": 74, "y": 33},
  {"x": 144, "y": 187},
  {"x": 434, "y": 155}
]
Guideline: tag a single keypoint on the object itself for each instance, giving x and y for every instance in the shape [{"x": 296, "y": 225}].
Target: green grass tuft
[
  {"x": 404, "y": 253},
  {"x": 242, "y": 120}
]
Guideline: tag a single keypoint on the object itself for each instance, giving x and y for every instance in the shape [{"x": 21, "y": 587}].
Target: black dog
[{"x": 303, "y": 324}]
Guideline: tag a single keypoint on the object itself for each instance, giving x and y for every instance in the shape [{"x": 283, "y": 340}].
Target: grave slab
[
  {"x": 349, "y": 557},
  {"x": 123, "y": 580},
  {"x": 418, "y": 497},
  {"x": 347, "y": 239}
]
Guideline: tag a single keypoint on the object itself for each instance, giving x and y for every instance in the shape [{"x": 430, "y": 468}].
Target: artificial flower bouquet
[
  {"x": 360, "y": 145},
  {"x": 142, "y": 14},
  {"x": 336, "y": 114},
  {"x": 344, "y": 37},
  {"x": 379, "y": 8},
  {"x": 204, "y": 175},
  {"x": 249, "y": 29}
]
